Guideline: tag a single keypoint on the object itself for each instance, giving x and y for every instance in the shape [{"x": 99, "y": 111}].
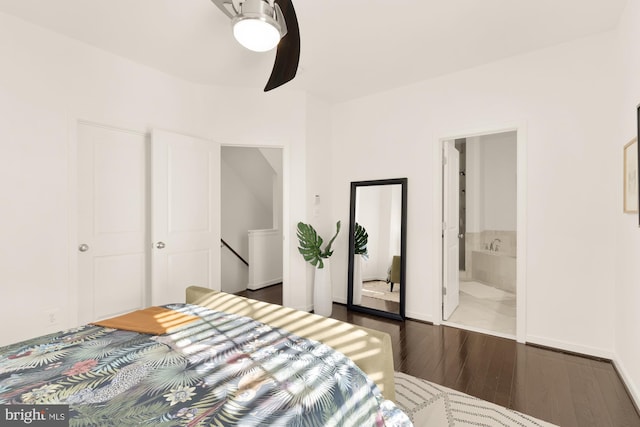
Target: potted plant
[
  {"x": 312, "y": 252},
  {"x": 360, "y": 252}
]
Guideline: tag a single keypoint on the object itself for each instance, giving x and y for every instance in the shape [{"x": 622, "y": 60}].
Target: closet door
[
  {"x": 185, "y": 206},
  {"x": 111, "y": 221}
]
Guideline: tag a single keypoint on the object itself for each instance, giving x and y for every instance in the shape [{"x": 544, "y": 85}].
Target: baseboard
[
  {"x": 578, "y": 350},
  {"x": 342, "y": 301},
  {"x": 632, "y": 390},
  {"x": 256, "y": 286},
  {"x": 420, "y": 317}
]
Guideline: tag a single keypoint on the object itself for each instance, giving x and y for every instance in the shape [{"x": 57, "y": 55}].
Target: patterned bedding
[{"x": 220, "y": 370}]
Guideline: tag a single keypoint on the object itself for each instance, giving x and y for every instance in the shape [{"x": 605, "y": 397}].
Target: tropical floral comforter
[{"x": 220, "y": 370}]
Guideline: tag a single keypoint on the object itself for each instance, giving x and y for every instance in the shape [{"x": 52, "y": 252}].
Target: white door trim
[{"x": 521, "y": 262}]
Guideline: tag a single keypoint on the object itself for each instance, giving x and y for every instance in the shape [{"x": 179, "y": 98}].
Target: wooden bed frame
[{"x": 369, "y": 349}]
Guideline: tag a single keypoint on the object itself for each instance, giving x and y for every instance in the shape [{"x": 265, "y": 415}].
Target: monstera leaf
[
  {"x": 311, "y": 244},
  {"x": 361, "y": 238},
  {"x": 327, "y": 251}
]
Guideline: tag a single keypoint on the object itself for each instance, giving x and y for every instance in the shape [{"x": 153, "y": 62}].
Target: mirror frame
[{"x": 403, "y": 248}]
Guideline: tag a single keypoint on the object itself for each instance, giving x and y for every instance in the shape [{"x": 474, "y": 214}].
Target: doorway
[
  {"x": 251, "y": 217},
  {"x": 481, "y": 232}
]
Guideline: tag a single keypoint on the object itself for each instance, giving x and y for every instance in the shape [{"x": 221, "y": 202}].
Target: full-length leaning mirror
[{"x": 377, "y": 247}]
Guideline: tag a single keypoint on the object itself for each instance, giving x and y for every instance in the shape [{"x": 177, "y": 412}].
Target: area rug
[
  {"x": 380, "y": 290},
  {"x": 429, "y": 404}
]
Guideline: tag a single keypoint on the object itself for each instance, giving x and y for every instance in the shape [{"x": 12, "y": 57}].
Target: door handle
[
  {"x": 460, "y": 236},
  {"x": 83, "y": 247},
  {"x": 160, "y": 245}
]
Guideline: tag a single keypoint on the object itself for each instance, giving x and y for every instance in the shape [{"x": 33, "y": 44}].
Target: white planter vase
[
  {"x": 357, "y": 279},
  {"x": 322, "y": 290}
]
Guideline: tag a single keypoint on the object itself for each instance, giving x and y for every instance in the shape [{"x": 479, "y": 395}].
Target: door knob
[
  {"x": 83, "y": 247},
  {"x": 160, "y": 245},
  {"x": 460, "y": 236}
]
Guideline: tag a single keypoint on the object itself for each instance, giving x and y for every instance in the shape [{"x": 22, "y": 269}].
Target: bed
[{"x": 202, "y": 364}]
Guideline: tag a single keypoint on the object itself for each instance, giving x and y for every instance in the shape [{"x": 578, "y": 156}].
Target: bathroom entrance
[{"x": 480, "y": 232}]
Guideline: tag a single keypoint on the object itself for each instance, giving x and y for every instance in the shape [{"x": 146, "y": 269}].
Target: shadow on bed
[{"x": 369, "y": 349}]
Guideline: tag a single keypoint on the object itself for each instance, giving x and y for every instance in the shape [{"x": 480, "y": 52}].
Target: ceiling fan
[{"x": 260, "y": 25}]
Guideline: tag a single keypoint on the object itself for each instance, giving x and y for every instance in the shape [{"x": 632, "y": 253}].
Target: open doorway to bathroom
[{"x": 480, "y": 232}]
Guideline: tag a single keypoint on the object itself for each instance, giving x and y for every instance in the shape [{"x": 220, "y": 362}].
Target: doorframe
[{"x": 521, "y": 251}]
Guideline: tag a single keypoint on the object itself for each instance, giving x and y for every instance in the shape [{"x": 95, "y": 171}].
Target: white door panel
[
  {"x": 186, "y": 215},
  {"x": 451, "y": 215},
  {"x": 189, "y": 267},
  {"x": 111, "y": 221},
  {"x": 190, "y": 188},
  {"x": 119, "y": 283}
]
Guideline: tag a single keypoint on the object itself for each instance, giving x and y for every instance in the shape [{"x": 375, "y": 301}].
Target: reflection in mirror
[{"x": 377, "y": 242}]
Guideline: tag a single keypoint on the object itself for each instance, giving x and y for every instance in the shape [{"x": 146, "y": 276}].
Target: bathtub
[{"x": 494, "y": 268}]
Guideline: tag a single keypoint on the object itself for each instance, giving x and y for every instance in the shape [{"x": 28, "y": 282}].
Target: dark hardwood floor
[{"x": 560, "y": 388}]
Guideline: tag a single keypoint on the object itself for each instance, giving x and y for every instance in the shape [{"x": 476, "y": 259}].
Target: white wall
[
  {"x": 318, "y": 183},
  {"x": 627, "y": 232},
  {"x": 241, "y": 211},
  {"x": 491, "y": 182},
  {"x": 274, "y": 157},
  {"x": 34, "y": 228},
  {"x": 562, "y": 98},
  {"x": 47, "y": 83},
  {"x": 245, "y": 206}
]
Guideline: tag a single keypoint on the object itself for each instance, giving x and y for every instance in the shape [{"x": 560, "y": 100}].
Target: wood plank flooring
[{"x": 564, "y": 389}]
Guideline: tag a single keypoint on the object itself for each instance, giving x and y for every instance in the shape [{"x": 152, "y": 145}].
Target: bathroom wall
[
  {"x": 499, "y": 172},
  {"x": 491, "y": 209}
]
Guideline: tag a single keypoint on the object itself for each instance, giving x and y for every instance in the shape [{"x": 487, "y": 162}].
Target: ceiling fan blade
[{"x": 288, "y": 52}]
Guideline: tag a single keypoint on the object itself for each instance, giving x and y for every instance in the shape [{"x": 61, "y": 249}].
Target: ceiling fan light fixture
[
  {"x": 256, "y": 26},
  {"x": 256, "y": 34},
  {"x": 261, "y": 25}
]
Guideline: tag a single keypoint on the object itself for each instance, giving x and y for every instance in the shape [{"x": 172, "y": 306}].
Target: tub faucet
[{"x": 494, "y": 245}]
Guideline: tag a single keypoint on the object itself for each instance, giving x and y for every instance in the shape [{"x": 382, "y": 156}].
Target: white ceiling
[{"x": 350, "y": 48}]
